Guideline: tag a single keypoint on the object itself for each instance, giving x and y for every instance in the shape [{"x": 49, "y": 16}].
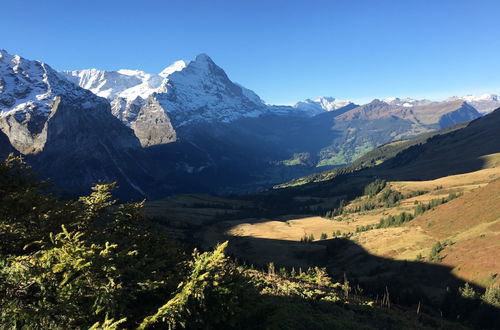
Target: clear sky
[{"x": 284, "y": 50}]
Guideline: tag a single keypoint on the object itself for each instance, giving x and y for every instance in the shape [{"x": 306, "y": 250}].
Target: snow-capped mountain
[
  {"x": 198, "y": 90},
  {"x": 406, "y": 102},
  {"x": 203, "y": 92},
  {"x": 29, "y": 93},
  {"x": 484, "y": 103},
  {"x": 29, "y": 87},
  {"x": 66, "y": 132},
  {"x": 180, "y": 94},
  {"x": 424, "y": 115},
  {"x": 320, "y": 105},
  {"x": 189, "y": 128},
  {"x": 126, "y": 84}
]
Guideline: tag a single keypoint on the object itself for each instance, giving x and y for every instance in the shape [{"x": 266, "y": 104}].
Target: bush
[
  {"x": 390, "y": 197},
  {"x": 375, "y": 187},
  {"x": 492, "y": 296},
  {"x": 467, "y": 291},
  {"x": 212, "y": 293}
]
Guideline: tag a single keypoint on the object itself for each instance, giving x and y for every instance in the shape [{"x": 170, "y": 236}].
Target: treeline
[
  {"x": 386, "y": 198},
  {"x": 402, "y": 218}
]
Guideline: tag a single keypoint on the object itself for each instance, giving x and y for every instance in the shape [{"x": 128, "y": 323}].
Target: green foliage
[
  {"x": 395, "y": 220},
  {"x": 74, "y": 263},
  {"x": 390, "y": 197},
  {"x": 422, "y": 208},
  {"x": 467, "y": 291},
  {"x": 492, "y": 296},
  {"x": 436, "y": 249},
  {"x": 307, "y": 238},
  {"x": 402, "y": 218},
  {"x": 208, "y": 297},
  {"x": 434, "y": 254},
  {"x": 89, "y": 263},
  {"x": 66, "y": 282},
  {"x": 108, "y": 324},
  {"x": 98, "y": 201},
  {"x": 27, "y": 213},
  {"x": 360, "y": 229},
  {"x": 336, "y": 211},
  {"x": 375, "y": 187},
  {"x": 324, "y": 236}
]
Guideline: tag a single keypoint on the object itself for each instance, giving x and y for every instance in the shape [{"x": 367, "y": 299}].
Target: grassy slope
[
  {"x": 472, "y": 222},
  {"x": 278, "y": 238}
]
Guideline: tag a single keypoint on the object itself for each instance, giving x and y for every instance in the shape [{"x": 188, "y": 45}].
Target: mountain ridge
[{"x": 194, "y": 131}]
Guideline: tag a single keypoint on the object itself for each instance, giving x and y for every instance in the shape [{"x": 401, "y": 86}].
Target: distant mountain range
[
  {"x": 190, "y": 128},
  {"x": 458, "y": 149}
]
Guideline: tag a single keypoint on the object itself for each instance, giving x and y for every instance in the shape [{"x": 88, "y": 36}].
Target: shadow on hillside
[
  {"x": 408, "y": 282},
  {"x": 456, "y": 152}
]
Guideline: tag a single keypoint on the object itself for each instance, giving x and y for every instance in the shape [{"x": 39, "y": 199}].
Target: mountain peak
[
  {"x": 176, "y": 66},
  {"x": 484, "y": 103},
  {"x": 3, "y": 53},
  {"x": 406, "y": 102},
  {"x": 321, "y": 104},
  {"x": 203, "y": 63},
  {"x": 203, "y": 58}
]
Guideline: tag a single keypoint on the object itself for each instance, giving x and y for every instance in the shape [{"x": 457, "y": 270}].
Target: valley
[
  {"x": 248, "y": 165},
  {"x": 414, "y": 238}
]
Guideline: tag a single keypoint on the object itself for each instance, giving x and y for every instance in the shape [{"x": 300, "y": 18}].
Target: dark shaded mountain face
[
  {"x": 5, "y": 147},
  {"x": 187, "y": 129},
  {"x": 66, "y": 133}
]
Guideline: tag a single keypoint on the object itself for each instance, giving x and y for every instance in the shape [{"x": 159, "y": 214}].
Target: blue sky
[{"x": 283, "y": 50}]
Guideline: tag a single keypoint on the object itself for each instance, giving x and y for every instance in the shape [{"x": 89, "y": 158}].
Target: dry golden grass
[
  {"x": 462, "y": 182},
  {"x": 400, "y": 243},
  {"x": 471, "y": 221}
]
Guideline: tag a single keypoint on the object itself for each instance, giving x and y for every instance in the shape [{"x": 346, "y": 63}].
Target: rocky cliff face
[
  {"x": 155, "y": 105},
  {"x": 66, "y": 132},
  {"x": 147, "y": 118}
]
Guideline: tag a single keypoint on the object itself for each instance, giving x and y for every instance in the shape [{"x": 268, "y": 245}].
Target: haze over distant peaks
[
  {"x": 405, "y": 102},
  {"x": 321, "y": 104},
  {"x": 484, "y": 103}
]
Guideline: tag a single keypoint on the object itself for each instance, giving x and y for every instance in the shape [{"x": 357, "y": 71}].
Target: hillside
[
  {"x": 472, "y": 223},
  {"x": 358, "y": 241},
  {"x": 455, "y": 150}
]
